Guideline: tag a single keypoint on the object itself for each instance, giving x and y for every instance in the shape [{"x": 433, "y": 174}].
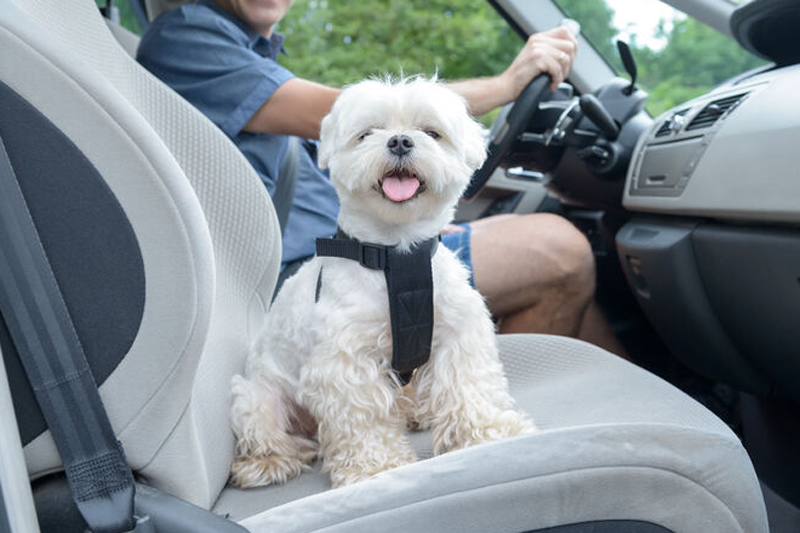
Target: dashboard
[
  {"x": 731, "y": 154},
  {"x": 712, "y": 247}
]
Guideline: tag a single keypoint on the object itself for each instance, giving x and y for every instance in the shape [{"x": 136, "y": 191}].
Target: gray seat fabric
[
  {"x": 208, "y": 234},
  {"x": 128, "y": 40},
  {"x": 614, "y": 442}
]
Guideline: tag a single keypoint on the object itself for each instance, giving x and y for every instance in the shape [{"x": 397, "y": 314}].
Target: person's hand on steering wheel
[
  {"x": 544, "y": 61},
  {"x": 551, "y": 52}
]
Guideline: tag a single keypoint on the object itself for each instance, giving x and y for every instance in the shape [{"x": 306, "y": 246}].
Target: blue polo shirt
[{"x": 228, "y": 71}]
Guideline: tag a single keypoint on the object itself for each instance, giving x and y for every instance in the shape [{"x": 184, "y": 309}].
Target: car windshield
[{"x": 678, "y": 57}]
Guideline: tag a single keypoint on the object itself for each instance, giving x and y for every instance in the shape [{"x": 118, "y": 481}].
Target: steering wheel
[{"x": 507, "y": 133}]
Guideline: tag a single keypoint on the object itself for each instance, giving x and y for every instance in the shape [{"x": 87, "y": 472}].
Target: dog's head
[{"x": 400, "y": 155}]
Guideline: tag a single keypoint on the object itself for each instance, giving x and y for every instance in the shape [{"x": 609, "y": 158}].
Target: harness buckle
[{"x": 372, "y": 256}]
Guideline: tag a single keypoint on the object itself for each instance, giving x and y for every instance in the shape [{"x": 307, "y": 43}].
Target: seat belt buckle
[{"x": 372, "y": 256}]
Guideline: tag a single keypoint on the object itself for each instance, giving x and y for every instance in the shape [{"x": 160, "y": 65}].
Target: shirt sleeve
[{"x": 209, "y": 62}]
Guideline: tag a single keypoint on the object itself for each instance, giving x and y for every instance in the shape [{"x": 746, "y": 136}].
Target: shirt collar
[{"x": 261, "y": 45}]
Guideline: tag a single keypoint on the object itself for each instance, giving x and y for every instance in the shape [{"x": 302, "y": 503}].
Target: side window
[
  {"x": 678, "y": 57},
  {"x": 339, "y": 42},
  {"x": 122, "y": 12}
]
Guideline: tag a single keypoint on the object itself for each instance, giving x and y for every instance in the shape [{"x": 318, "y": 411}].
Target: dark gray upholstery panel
[
  {"x": 751, "y": 277},
  {"x": 658, "y": 256},
  {"x": 88, "y": 239}
]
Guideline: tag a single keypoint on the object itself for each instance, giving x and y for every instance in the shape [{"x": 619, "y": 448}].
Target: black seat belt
[
  {"x": 409, "y": 284},
  {"x": 287, "y": 182},
  {"x": 100, "y": 479}
]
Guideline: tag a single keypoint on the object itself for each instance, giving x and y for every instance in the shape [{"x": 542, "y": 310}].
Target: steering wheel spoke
[{"x": 507, "y": 133}]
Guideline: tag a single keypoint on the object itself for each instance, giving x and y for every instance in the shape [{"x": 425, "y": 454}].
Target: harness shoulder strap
[
  {"x": 100, "y": 479},
  {"x": 409, "y": 282}
]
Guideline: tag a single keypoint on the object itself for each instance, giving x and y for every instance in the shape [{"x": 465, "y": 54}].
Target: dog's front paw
[
  {"x": 259, "y": 469},
  {"x": 464, "y": 433},
  {"x": 353, "y": 473},
  {"x": 506, "y": 424}
]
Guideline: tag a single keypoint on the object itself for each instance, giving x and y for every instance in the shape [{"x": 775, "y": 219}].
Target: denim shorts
[{"x": 461, "y": 244}]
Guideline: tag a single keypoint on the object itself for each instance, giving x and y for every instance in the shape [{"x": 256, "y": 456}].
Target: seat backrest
[
  {"x": 128, "y": 40},
  {"x": 156, "y": 7},
  {"x": 207, "y": 235}
]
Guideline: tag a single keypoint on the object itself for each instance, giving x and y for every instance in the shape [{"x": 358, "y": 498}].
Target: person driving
[{"x": 535, "y": 271}]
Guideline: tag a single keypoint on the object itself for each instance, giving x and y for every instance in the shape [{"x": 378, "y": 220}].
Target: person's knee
[
  {"x": 572, "y": 260},
  {"x": 525, "y": 261}
]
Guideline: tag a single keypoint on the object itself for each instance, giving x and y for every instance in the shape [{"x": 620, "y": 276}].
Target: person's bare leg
[
  {"x": 537, "y": 275},
  {"x": 535, "y": 271},
  {"x": 596, "y": 330}
]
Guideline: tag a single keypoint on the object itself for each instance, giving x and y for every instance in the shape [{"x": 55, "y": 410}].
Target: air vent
[
  {"x": 710, "y": 113},
  {"x": 665, "y": 128},
  {"x": 672, "y": 124}
]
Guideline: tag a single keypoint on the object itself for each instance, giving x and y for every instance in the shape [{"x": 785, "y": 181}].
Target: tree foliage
[
  {"x": 338, "y": 42},
  {"x": 127, "y": 18},
  {"x": 596, "y": 19},
  {"x": 341, "y": 42},
  {"x": 694, "y": 60}
]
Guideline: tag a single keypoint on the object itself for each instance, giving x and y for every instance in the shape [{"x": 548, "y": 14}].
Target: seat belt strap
[
  {"x": 409, "y": 284},
  {"x": 100, "y": 479},
  {"x": 285, "y": 185}
]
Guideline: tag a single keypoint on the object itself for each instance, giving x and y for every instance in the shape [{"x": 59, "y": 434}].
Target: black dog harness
[{"x": 409, "y": 283}]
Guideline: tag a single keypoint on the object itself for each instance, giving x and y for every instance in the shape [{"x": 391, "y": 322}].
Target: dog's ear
[
  {"x": 326, "y": 141},
  {"x": 474, "y": 143}
]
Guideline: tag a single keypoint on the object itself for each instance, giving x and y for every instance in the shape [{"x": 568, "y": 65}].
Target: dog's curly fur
[{"x": 325, "y": 367}]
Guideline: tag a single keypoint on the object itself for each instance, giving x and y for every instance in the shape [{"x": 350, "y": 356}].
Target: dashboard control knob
[
  {"x": 594, "y": 152},
  {"x": 676, "y": 123},
  {"x": 714, "y": 110}
]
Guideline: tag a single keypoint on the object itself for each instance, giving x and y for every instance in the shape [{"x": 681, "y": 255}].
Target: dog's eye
[
  {"x": 433, "y": 134},
  {"x": 364, "y": 135}
]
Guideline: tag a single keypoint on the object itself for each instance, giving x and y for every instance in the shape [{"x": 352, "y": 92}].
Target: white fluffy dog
[{"x": 325, "y": 365}]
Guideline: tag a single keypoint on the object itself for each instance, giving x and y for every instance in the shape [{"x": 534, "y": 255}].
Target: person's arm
[
  {"x": 296, "y": 108},
  {"x": 552, "y": 52}
]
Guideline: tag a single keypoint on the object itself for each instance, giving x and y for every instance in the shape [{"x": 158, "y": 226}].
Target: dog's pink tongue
[{"x": 399, "y": 189}]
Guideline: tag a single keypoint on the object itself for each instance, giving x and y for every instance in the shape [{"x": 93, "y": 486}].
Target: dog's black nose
[{"x": 400, "y": 144}]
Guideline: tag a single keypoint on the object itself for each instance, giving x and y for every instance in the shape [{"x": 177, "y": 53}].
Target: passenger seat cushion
[{"x": 614, "y": 443}]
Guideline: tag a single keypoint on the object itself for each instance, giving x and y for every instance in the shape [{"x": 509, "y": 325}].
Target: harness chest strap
[{"x": 409, "y": 284}]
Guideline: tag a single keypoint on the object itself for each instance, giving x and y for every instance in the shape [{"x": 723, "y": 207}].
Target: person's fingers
[
  {"x": 552, "y": 61},
  {"x": 557, "y": 72},
  {"x": 566, "y": 46},
  {"x": 561, "y": 33},
  {"x": 552, "y": 52},
  {"x": 564, "y": 50}
]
